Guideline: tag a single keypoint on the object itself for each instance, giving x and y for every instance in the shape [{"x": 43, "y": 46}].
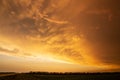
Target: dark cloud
[
  {"x": 67, "y": 28},
  {"x": 102, "y": 33}
]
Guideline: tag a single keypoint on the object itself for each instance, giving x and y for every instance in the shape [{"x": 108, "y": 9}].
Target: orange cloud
[{"x": 64, "y": 29}]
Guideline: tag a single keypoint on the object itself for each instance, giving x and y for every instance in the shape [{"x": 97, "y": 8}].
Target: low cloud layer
[{"x": 8, "y": 51}]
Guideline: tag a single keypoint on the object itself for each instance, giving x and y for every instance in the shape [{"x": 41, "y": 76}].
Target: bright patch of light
[{"x": 49, "y": 58}]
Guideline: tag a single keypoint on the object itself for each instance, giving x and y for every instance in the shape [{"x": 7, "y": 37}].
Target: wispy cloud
[
  {"x": 14, "y": 51},
  {"x": 56, "y": 21}
]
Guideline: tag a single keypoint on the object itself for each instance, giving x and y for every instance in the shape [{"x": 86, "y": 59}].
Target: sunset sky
[{"x": 59, "y": 35}]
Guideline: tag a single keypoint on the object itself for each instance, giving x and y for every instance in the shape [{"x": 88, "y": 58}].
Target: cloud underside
[{"x": 85, "y": 32}]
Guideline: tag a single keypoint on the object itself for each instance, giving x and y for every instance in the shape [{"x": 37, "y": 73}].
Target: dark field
[{"x": 62, "y": 76}]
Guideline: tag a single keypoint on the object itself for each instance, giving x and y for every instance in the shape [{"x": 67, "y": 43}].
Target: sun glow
[{"x": 49, "y": 58}]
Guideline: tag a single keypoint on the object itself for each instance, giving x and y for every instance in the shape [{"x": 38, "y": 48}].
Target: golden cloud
[{"x": 70, "y": 30}]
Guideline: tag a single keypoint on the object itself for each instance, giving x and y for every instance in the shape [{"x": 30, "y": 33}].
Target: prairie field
[{"x": 62, "y": 76}]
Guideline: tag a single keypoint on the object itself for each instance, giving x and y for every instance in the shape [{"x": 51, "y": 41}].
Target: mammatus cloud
[{"x": 84, "y": 32}]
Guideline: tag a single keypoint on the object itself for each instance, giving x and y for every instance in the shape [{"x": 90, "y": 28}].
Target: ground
[{"x": 60, "y": 76}]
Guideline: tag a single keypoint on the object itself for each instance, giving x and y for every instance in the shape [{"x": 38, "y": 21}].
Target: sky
[{"x": 59, "y": 35}]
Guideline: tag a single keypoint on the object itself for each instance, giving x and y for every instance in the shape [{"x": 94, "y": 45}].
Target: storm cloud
[{"x": 85, "y": 31}]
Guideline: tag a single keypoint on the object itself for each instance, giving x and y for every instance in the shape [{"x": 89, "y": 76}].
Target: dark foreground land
[{"x": 61, "y": 76}]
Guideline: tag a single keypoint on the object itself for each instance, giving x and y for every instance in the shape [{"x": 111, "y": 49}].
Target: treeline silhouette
[
  {"x": 63, "y": 76},
  {"x": 7, "y": 72},
  {"x": 73, "y": 73}
]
